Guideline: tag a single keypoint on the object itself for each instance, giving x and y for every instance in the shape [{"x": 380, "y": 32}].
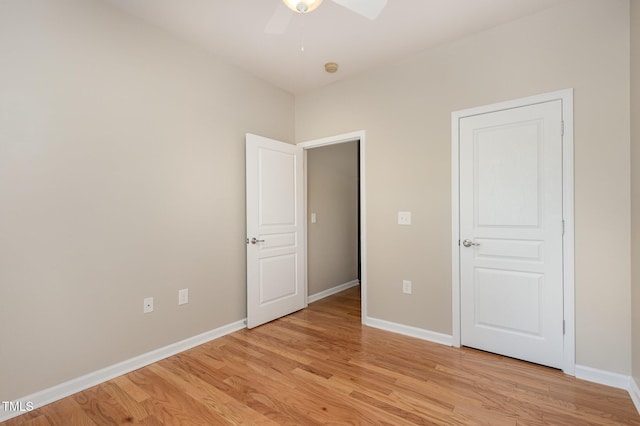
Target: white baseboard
[
  {"x": 634, "y": 391},
  {"x": 615, "y": 380},
  {"x": 603, "y": 377},
  {"x": 332, "y": 291},
  {"x": 420, "y": 333},
  {"x": 81, "y": 383}
]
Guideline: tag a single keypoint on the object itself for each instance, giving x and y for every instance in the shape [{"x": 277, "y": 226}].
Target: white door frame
[
  {"x": 566, "y": 96},
  {"x": 332, "y": 140}
]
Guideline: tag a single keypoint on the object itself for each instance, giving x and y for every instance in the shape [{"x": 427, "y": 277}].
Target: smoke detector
[{"x": 331, "y": 67}]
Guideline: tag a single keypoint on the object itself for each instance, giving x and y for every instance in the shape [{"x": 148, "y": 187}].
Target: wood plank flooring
[{"x": 321, "y": 366}]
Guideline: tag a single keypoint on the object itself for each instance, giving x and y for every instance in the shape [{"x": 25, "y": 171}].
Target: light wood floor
[{"x": 321, "y": 366}]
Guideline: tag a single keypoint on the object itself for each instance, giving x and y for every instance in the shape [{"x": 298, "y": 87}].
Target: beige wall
[
  {"x": 635, "y": 184},
  {"x": 121, "y": 177},
  {"x": 406, "y": 112},
  {"x": 332, "y": 194}
]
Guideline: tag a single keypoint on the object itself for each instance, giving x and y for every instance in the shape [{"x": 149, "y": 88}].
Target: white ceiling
[{"x": 235, "y": 31}]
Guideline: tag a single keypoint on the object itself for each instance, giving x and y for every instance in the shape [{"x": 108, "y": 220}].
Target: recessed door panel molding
[
  {"x": 520, "y": 293},
  {"x": 513, "y": 229},
  {"x": 281, "y": 241},
  {"x": 508, "y": 174},
  {"x": 515, "y": 250},
  {"x": 278, "y": 278},
  {"x": 277, "y": 200}
]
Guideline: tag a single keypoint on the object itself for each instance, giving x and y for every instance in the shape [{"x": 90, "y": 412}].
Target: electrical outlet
[
  {"x": 183, "y": 296},
  {"x": 406, "y": 286},
  {"x": 147, "y": 305}
]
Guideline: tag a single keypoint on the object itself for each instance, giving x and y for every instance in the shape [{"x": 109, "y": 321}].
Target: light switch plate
[
  {"x": 313, "y": 218},
  {"x": 404, "y": 218},
  {"x": 183, "y": 296}
]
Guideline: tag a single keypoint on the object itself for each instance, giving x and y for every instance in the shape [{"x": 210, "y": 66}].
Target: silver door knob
[
  {"x": 254, "y": 241},
  {"x": 469, "y": 243}
]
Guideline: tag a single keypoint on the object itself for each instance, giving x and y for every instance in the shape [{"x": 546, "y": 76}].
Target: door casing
[
  {"x": 566, "y": 96},
  {"x": 332, "y": 140}
]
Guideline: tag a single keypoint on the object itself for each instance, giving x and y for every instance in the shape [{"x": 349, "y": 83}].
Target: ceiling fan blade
[
  {"x": 280, "y": 19},
  {"x": 367, "y": 8}
]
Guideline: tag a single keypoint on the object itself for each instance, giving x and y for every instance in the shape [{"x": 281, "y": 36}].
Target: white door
[
  {"x": 511, "y": 227},
  {"x": 275, "y": 235}
]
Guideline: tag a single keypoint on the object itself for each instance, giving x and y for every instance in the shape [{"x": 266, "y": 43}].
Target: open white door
[{"x": 275, "y": 234}]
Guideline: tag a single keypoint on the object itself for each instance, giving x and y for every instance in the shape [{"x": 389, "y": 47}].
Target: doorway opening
[{"x": 335, "y": 216}]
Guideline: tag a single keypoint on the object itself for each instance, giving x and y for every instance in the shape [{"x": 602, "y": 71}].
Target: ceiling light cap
[
  {"x": 302, "y": 6},
  {"x": 331, "y": 67}
]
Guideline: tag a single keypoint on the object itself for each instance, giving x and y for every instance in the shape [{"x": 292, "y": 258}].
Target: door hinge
[
  {"x": 458, "y": 243},
  {"x": 563, "y": 327},
  {"x": 562, "y": 128},
  {"x": 563, "y": 227}
]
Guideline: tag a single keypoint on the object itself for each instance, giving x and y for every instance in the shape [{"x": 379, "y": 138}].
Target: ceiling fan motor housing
[
  {"x": 368, "y": 8},
  {"x": 302, "y": 6}
]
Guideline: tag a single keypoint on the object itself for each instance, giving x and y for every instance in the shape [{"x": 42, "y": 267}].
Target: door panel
[
  {"x": 511, "y": 216},
  {"x": 277, "y": 187},
  {"x": 277, "y": 278},
  {"x": 507, "y": 174},
  {"x": 522, "y": 291},
  {"x": 275, "y": 213}
]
